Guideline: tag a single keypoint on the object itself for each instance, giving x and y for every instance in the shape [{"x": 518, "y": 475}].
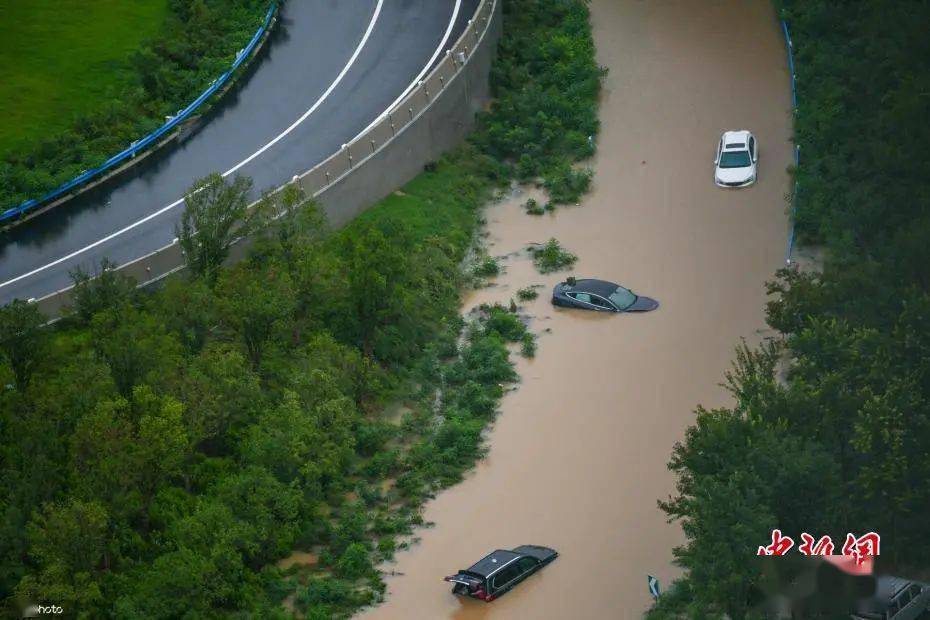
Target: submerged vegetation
[
  {"x": 487, "y": 267},
  {"x": 528, "y": 293},
  {"x": 551, "y": 256},
  {"x": 533, "y": 207},
  {"x": 163, "y": 451},
  {"x": 841, "y": 446}
]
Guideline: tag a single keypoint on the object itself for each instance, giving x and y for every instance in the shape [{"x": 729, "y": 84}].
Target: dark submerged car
[
  {"x": 896, "y": 598},
  {"x": 499, "y": 571},
  {"x": 600, "y": 295}
]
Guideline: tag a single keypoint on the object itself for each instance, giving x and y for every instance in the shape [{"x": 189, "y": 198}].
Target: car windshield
[
  {"x": 735, "y": 159},
  {"x": 623, "y": 298}
]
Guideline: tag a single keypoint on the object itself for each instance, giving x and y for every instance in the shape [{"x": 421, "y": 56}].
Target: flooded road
[{"x": 578, "y": 455}]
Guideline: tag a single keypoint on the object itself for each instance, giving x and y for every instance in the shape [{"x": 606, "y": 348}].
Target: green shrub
[
  {"x": 552, "y": 257},
  {"x": 487, "y": 268},
  {"x": 546, "y": 84},
  {"x": 499, "y": 320},
  {"x": 528, "y": 346},
  {"x": 533, "y": 207},
  {"x": 325, "y": 591},
  {"x": 387, "y": 547},
  {"x": 354, "y": 562},
  {"x": 528, "y": 293},
  {"x": 566, "y": 184},
  {"x": 106, "y": 289}
]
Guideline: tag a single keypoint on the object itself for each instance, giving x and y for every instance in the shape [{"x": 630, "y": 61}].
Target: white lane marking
[
  {"x": 342, "y": 74},
  {"x": 416, "y": 80}
]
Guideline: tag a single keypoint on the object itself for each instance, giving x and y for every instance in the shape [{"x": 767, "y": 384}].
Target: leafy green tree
[
  {"x": 135, "y": 346},
  {"x": 354, "y": 562},
  {"x": 258, "y": 307},
  {"x": 891, "y": 434},
  {"x": 187, "y": 583},
  {"x": 268, "y": 506},
  {"x": 162, "y": 444},
  {"x": 72, "y": 544},
  {"x": 103, "y": 463},
  {"x": 124, "y": 451},
  {"x": 215, "y": 214},
  {"x": 294, "y": 227},
  {"x": 22, "y": 340},
  {"x": 188, "y": 309},
  {"x": 106, "y": 289},
  {"x": 222, "y": 394},
  {"x": 399, "y": 294},
  {"x": 307, "y": 445},
  {"x": 739, "y": 479},
  {"x": 377, "y": 262}
]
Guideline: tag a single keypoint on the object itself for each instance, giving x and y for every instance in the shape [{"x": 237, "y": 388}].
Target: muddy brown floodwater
[{"x": 578, "y": 455}]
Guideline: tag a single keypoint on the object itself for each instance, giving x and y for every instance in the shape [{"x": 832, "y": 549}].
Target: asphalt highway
[{"x": 331, "y": 68}]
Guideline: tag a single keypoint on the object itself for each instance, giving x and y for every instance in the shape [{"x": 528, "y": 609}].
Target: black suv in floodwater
[{"x": 499, "y": 571}]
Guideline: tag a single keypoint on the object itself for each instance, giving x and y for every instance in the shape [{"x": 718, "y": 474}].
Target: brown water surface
[{"x": 578, "y": 456}]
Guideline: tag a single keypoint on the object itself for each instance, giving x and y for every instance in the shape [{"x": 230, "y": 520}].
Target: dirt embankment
[{"x": 578, "y": 456}]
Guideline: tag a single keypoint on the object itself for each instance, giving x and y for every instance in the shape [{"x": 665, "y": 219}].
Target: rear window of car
[{"x": 736, "y": 145}]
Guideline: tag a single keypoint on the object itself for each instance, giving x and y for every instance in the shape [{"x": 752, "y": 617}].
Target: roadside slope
[{"x": 578, "y": 456}]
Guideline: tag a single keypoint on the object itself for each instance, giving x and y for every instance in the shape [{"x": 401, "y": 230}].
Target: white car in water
[{"x": 735, "y": 164}]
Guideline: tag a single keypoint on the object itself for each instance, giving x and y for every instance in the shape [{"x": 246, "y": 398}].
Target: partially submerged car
[
  {"x": 499, "y": 571},
  {"x": 895, "y": 598},
  {"x": 735, "y": 163},
  {"x": 600, "y": 295}
]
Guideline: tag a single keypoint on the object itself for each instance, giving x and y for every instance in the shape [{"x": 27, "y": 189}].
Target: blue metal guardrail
[
  {"x": 797, "y": 148},
  {"x": 140, "y": 145}
]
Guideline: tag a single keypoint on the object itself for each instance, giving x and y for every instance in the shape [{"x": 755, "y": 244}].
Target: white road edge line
[
  {"x": 342, "y": 74},
  {"x": 416, "y": 80}
]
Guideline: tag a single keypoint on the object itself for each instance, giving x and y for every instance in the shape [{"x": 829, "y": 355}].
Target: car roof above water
[
  {"x": 492, "y": 562},
  {"x": 598, "y": 287}
]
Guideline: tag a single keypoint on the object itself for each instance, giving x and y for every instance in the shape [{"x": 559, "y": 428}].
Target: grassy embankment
[
  {"x": 61, "y": 59},
  {"x": 843, "y": 446},
  {"x": 162, "y": 452},
  {"x": 80, "y": 80}
]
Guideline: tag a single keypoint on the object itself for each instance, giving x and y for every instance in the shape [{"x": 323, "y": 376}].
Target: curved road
[
  {"x": 330, "y": 69},
  {"x": 578, "y": 454}
]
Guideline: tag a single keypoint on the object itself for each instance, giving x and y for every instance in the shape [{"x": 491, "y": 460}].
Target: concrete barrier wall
[{"x": 432, "y": 119}]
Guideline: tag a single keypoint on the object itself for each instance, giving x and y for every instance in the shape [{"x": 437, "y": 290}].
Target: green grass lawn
[{"x": 61, "y": 58}]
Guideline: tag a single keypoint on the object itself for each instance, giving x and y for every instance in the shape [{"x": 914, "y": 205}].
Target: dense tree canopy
[{"x": 847, "y": 436}]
